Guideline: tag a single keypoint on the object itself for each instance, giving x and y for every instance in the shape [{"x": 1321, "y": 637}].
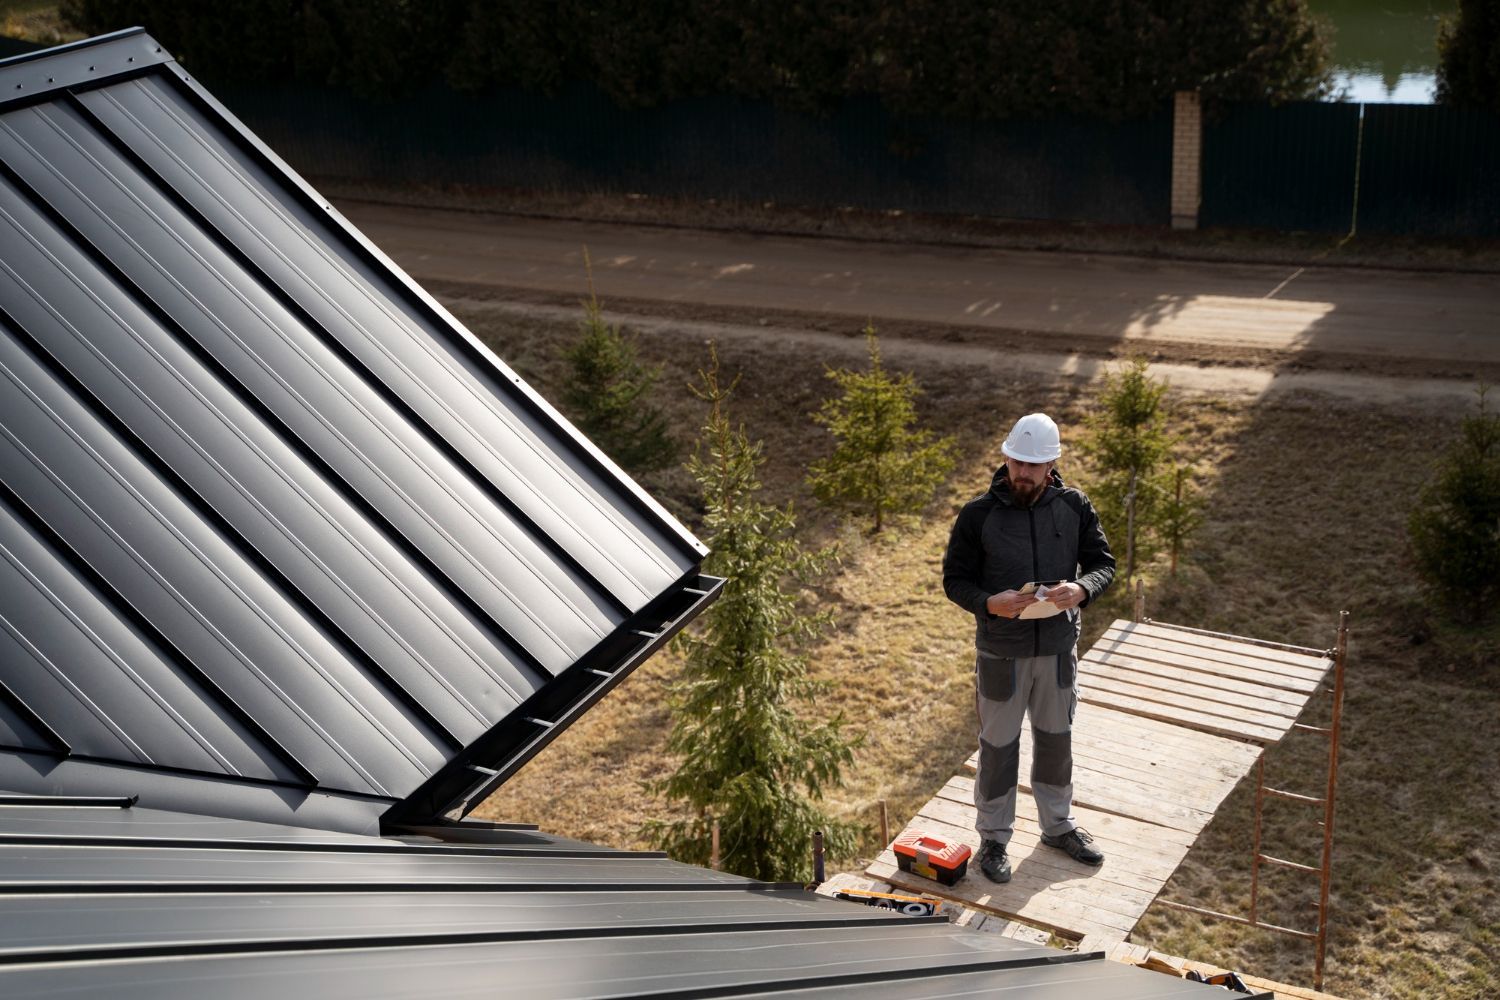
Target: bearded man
[{"x": 1023, "y": 559}]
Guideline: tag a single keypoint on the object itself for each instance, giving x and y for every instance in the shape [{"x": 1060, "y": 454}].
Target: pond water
[{"x": 1385, "y": 51}]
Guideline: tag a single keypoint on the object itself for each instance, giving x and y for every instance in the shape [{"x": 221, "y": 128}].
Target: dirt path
[
  {"x": 1243, "y": 382},
  {"x": 1394, "y": 323}
]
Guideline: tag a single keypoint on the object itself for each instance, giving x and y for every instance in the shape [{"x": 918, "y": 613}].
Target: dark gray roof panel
[
  {"x": 109, "y": 899},
  {"x": 630, "y": 965},
  {"x": 48, "y": 868},
  {"x": 919, "y": 960},
  {"x": 39, "y": 819},
  {"x": 268, "y": 513},
  {"x": 42, "y": 926}
]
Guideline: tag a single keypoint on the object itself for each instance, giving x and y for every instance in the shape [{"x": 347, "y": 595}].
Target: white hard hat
[{"x": 1033, "y": 439}]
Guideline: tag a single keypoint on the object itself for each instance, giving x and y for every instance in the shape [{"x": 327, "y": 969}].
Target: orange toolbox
[{"x": 932, "y": 857}]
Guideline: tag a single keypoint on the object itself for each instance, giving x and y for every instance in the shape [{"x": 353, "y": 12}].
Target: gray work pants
[{"x": 1004, "y": 690}]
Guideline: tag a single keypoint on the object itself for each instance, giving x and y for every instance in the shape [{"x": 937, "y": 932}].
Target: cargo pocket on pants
[
  {"x": 997, "y": 677},
  {"x": 1067, "y": 668}
]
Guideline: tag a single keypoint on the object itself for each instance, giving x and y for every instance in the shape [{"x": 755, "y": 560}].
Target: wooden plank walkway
[
  {"x": 1169, "y": 720},
  {"x": 1214, "y": 684}
]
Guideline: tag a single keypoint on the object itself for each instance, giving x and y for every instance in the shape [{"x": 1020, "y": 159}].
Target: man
[{"x": 1028, "y": 529}]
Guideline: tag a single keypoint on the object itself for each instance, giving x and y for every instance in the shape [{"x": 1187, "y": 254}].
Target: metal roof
[
  {"x": 268, "y": 514},
  {"x": 106, "y": 898}
]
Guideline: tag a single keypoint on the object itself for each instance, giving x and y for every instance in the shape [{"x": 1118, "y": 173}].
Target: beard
[{"x": 1025, "y": 493}]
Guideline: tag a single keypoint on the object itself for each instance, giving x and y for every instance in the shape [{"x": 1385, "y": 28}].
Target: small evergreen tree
[
  {"x": 747, "y": 758},
  {"x": 1455, "y": 526},
  {"x": 881, "y": 464},
  {"x": 604, "y": 396},
  {"x": 1128, "y": 441},
  {"x": 1181, "y": 512}
]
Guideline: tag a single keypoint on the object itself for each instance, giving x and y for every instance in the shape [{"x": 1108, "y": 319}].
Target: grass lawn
[{"x": 1306, "y": 508}]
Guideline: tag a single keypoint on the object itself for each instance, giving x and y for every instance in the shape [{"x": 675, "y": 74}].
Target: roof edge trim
[
  {"x": 35, "y": 74},
  {"x": 82, "y": 43},
  {"x": 486, "y": 763},
  {"x": 27, "y": 773}
]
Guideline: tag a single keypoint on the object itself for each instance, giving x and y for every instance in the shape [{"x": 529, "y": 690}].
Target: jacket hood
[{"x": 1000, "y": 486}]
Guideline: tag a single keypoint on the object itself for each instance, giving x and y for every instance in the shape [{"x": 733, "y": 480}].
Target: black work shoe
[
  {"x": 1076, "y": 842},
  {"x": 993, "y": 862}
]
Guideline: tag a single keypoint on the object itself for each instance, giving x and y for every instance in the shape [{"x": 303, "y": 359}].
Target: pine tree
[
  {"x": 605, "y": 396},
  {"x": 1128, "y": 441},
  {"x": 1180, "y": 513},
  {"x": 747, "y": 757},
  {"x": 1455, "y": 526},
  {"x": 880, "y": 464}
]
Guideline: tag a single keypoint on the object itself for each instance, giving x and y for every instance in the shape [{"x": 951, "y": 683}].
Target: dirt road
[{"x": 1374, "y": 321}]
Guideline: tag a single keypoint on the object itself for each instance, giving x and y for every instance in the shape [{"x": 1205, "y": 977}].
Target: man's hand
[
  {"x": 1067, "y": 595},
  {"x": 1008, "y": 603}
]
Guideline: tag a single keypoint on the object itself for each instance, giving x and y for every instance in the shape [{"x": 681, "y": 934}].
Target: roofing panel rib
[
  {"x": 272, "y": 514},
  {"x": 56, "y": 926},
  {"x": 69, "y": 655}
]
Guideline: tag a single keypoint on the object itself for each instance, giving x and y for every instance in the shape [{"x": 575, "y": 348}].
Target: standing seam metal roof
[
  {"x": 268, "y": 513},
  {"x": 134, "y": 903}
]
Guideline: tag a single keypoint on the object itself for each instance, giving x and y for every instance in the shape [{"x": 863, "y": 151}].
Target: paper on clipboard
[{"x": 1043, "y": 608}]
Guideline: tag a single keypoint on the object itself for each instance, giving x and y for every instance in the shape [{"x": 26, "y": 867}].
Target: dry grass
[{"x": 1306, "y": 512}]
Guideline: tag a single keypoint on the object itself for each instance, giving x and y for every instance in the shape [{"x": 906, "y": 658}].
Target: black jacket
[{"x": 995, "y": 546}]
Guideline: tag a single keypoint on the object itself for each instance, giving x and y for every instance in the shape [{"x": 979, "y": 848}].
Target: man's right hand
[{"x": 1008, "y": 603}]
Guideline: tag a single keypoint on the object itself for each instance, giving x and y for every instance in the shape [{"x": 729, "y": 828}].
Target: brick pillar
[{"x": 1187, "y": 153}]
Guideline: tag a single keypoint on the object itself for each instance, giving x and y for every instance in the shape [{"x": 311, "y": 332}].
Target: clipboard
[{"x": 1043, "y": 608}]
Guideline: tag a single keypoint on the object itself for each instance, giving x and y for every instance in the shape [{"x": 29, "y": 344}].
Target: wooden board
[
  {"x": 1097, "y": 684},
  {"x": 1171, "y": 692},
  {"x": 1205, "y": 721},
  {"x": 1216, "y": 685},
  {"x": 1148, "y": 842},
  {"x": 1315, "y": 660},
  {"x": 1049, "y": 889},
  {"x": 1226, "y": 650},
  {"x": 1132, "y": 767},
  {"x": 1163, "y": 652},
  {"x": 1219, "y": 686}
]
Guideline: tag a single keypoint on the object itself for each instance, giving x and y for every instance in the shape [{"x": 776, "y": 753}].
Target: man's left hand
[{"x": 1066, "y": 595}]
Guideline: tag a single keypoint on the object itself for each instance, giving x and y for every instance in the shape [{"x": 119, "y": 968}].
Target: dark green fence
[
  {"x": 859, "y": 155},
  {"x": 1422, "y": 169},
  {"x": 1430, "y": 170},
  {"x": 1288, "y": 167}
]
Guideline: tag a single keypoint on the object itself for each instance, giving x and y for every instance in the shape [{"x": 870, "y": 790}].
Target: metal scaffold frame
[{"x": 1339, "y": 655}]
